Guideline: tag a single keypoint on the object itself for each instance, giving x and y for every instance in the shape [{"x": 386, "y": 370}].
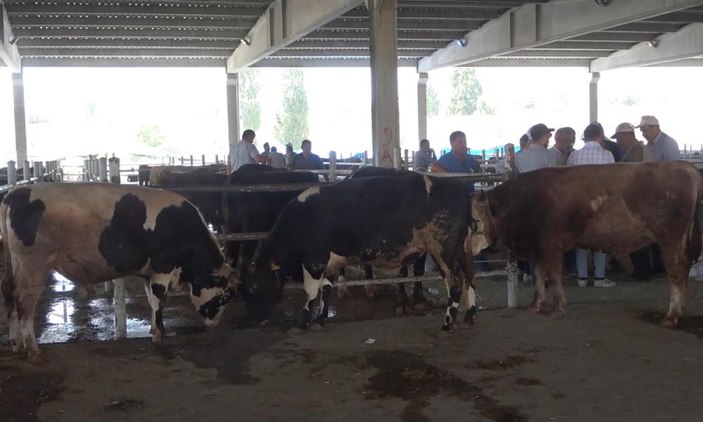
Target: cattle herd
[{"x": 92, "y": 232}]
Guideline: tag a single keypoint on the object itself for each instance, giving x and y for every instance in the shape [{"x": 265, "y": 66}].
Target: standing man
[
  {"x": 564, "y": 139},
  {"x": 425, "y": 157},
  {"x": 593, "y": 152},
  {"x": 306, "y": 160},
  {"x": 662, "y": 146},
  {"x": 245, "y": 152},
  {"x": 457, "y": 160},
  {"x": 535, "y": 156},
  {"x": 635, "y": 151},
  {"x": 278, "y": 160}
]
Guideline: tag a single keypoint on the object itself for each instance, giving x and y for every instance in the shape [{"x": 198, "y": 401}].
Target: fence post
[
  {"x": 191, "y": 160},
  {"x": 102, "y": 169},
  {"x": 11, "y": 173},
  {"x": 38, "y": 171},
  {"x": 333, "y": 166},
  {"x": 397, "y": 161},
  {"x": 203, "y": 156},
  {"x": 407, "y": 159},
  {"x": 217, "y": 159},
  {"x": 120, "y": 309},
  {"x": 366, "y": 158},
  {"x": 26, "y": 174},
  {"x": 511, "y": 271}
]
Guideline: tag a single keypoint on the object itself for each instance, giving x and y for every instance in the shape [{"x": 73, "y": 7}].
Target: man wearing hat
[
  {"x": 662, "y": 146},
  {"x": 634, "y": 151},
  {"x": 592, "y": 152},
  {"x": 536, "y": 155}
]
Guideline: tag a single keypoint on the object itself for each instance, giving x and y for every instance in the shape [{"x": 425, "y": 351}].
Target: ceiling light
[
  {"x": 246, "y": 40},
  {"x": 461, "y": 42}
]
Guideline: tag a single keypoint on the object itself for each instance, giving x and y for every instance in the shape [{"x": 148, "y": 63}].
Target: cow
[
  {"x": 257, "y": 212},
  {"x": 381, "y": 221},
  {"x": 208, "y": 202},
  {"x": 96, "y": 232},
  {"x": 156, "y": 171},
  {"x": 615, "y": 208}
]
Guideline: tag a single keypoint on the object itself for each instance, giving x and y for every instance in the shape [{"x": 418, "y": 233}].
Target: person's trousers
[
  {"x": 642, "y": 262},
  {"x": 582, "y": 263}
]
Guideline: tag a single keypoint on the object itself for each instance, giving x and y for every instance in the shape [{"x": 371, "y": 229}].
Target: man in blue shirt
[{"x": 457, "y": 160}]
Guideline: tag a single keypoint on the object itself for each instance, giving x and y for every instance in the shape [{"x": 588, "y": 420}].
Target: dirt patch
[
  {"x": 527, "y": 381},
  {"x": 691, "y": 324},
  {"x": 407, "y": 376},
  {"x": 23, "y": 389},
  {"x": 500, "y": 364}
]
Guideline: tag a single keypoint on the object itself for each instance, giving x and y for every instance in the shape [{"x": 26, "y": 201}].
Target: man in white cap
[
  {"x": 634, "y": 151},
  {"x": 662, "y": 146}
]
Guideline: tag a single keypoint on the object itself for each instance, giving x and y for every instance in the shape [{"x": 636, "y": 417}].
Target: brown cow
[{"x": 613, "y": 208}]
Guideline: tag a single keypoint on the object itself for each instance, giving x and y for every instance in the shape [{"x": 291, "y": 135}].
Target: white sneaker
[
  {"x": 582, "y": 282},
  {"x": 603, "y": 282}
]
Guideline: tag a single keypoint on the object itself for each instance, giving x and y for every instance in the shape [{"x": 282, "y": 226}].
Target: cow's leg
[
  {"x": 555, "y": 283},
  {"x": 326, "y": 289},
  {"x": 342, "y": 290},
  {"x": 15, "y": 337},
  {"x": 156, "y": 290},
  {"x": 418, "y": 294},
  {"x": 402, "y": 298},
  {"x": 538, "y": 298},
  {"x": 370, "y": 289},
  {"x": 678, "y": 265},
  {"x": 312, "y": 289},
  {"x": 29, "y": 288}
]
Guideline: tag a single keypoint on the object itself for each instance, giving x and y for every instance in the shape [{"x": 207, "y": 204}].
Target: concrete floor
[{"x": 606, "y": 360}]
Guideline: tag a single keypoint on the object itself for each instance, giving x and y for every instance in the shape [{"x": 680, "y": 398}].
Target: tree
[
  {"x": 466, "y": 91},
  {"x": 485, "y": 108},
  {"x": 151, "y": 135},
  {"x": 249, "y": 99},
  {"x": 432, "y": 101},
  {"x": 292, "y": 121}
]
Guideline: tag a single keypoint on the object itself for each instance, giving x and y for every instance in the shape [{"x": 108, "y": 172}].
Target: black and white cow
[
  {"x": 381, "y": 221},
  {"x": 94, "y": 232}
]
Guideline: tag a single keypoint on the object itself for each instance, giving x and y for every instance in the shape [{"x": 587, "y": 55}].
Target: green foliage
[
  {"x": 630, "y": 100},
  {"x": 466, "y": 91},
  {"x": 432, "y": 101},
  {"x": 151, "y": 135},
  {"x": 90, "y": 109},
  {"x": 249, "y": 104},
  {"x": 292, "y": 122},
  {"x": 485, "y": 108}
]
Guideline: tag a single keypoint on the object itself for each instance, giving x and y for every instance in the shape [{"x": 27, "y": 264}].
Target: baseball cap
[
  {"x": 538, "y": 130},
  {"x": 593, "y": 130},
  {"x": 648, "y": 120},
  {"x": 624, "y": 128}
]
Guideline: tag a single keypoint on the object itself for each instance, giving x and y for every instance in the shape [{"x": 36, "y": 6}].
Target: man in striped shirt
[{"x": 592, "y": 152}]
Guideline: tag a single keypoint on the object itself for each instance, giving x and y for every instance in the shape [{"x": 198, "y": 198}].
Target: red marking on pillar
[{"x": 388, "y": 139}]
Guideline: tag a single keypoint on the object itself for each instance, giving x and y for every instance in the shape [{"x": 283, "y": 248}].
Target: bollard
[
  {"x": 366, "y": 158},
  {"x": 114, "y": 166},
  {"x": 203, "y": 157},
  {"x": 11, "y": 173},
  {"x": 511, "y": 271},
  {"x": 182, "y": 160},
  {"x": 406, "y": 154},
  {"x": 38, "y": 171},
  {"x": 26, "y": 173},
  {"x": 217, "y": 159},
  {"x": 120, "y": 309},
  {"x": 397, "y": 162},
  {"x": 102, "y": 169},
  {"x": 191, "y": 160},
  {"x": 333, "y": 166}
]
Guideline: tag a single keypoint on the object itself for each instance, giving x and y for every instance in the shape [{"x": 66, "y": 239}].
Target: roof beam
[
  {"x": 130, "y": 33},
  {"x": 685, "y": 44},
  {"x": 125, "y": 52},
  {"x": 136, "y": 9},
  {"x": 413, "y": 25},
  {"x": 358, "y": 34},
  {"x": 132, "y": 22},
  {"x": 282, "y": 23},
  {"x": 433, "y": 13},
  {"x": 121, "y": 62},
  {"x": 533, "y": 25},
  {"x": 111, "y": 42},
  {"x": 9, "y": 54}
]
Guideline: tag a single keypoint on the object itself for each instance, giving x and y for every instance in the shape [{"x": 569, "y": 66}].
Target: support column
[
  {"x": 233, "y": 107},
  {"x": 593, "y": 97},
  {"x": 422, "y": 105},
  {"x": 20, "y": 125},
  {"x": 384, "y": 80}
]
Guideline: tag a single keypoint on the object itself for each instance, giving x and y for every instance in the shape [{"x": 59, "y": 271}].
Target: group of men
[
  {"x": 245, "y": 152},
  {"x": 597, "y": 149}
]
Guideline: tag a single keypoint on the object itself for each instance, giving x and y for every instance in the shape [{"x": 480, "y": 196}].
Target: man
[
  {"x": 457, "y": 160},
  {"x": 536, "y": 155},
  {"x": 278, "y": 160},
  {"x": 564, "y": 139},
  {"x": 662, "y": 146},
  {"x": 506, "y": 165},
  {"x": 267, "y": 150},
  {"x": 245, "y": 152},
  {"x": 593, "y": 152},
  {"x": 306, "y": 160},
  {"x": 425, "y": 157},
  {"x": 635, "y": 151},
  {"x": 524, "y": 142}
]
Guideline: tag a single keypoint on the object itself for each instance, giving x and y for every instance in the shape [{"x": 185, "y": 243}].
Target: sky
[{"x": 73, "y": 112}]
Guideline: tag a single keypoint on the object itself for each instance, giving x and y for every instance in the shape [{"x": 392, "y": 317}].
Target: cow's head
[
  {"x": 262, "y": 284},
  {"x": 482, "y": 235},
  {"x": 211, "y": 294}
]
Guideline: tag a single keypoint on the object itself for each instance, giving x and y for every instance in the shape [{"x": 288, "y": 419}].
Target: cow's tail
[
  {"x": 7, "y": 282},
  {"x": 695, "y": 241}
]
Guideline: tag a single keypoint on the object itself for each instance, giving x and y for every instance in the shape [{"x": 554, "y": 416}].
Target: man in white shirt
[
  {"x": 592, "y": 152},
  {"x": 245, "y": 152},
  {"x": 564, "y": 139},
  {"x": 536, "y": 155},
  {"x": 662, "y": 146}
]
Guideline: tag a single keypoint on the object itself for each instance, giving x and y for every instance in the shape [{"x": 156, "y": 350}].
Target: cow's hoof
[
  {"x": 296, "y": 330},
  {"x": 400, "y": 310},
  {"x": 421, "y": 306},
  {"x": 558, "y": 313},
  {"x": 316, "y": 327},
  {"x": 37, "y": 359},
  {"x": 535, "y": 307},
  {"x": 445, "y": 333},
  {"x": 669, "y": 322},
  {"x": 158, "y": 339},
  {"x": 262, "y": 324}
]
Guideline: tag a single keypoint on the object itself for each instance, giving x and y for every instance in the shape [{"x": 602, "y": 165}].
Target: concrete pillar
[
  {"x": 333, "y": 166},
  {"x": 26, "y": 173},
  {"x": 102, "y": 169},
  {"x": 422, "y": 105},
  {"x": 233, "y": 107},
  {"x": 20, "y": 124},
  {"x": 114, "y": 167},
  {"x": 38, "y": 171},
  {"x": 384, "y": 80},
  {"x": 593, "y": 97},
  {"x": 120, "y": 303},
  {"x": 11, "y": 173}
]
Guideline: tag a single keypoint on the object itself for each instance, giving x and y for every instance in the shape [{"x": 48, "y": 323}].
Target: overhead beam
[
  {"x": 281, "y": 24},
  {"x": 325, "y": 62},
  {"x": 133, "y": 22},
  {"x": 533, "y": 25},
  {"x": 126, "y": 52},
  {"x": 122, "y": 62},
  {"x": 364, "y": 34},
  {"x": 682, "y": 45},
  {"x": 357, "y": 52},
  {"x": 9, "y": 55},
  {"x": 131, "y": 33},
  {"x": 411, "y": 25},
  {"x": 434, "y": 13},
  {"x": 200, "y": 9},
  {"x": 110, "y": 42}
]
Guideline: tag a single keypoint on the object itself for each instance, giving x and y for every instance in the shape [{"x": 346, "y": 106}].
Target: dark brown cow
[{"x": 613, "y": 208}]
